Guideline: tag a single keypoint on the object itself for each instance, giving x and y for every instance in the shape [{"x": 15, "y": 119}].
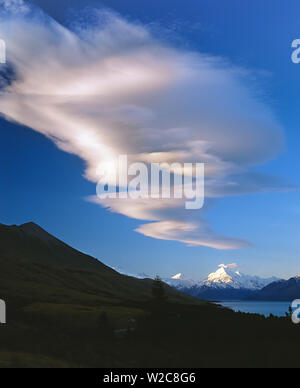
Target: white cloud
[
  {"x": 232, "y": 265},
  {"x": 114, "y": 89}
]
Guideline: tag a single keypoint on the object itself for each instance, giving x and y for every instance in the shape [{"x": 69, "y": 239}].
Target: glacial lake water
[{"x": 263, "y": 308}]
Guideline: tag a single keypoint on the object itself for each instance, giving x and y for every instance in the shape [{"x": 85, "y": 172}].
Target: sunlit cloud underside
[{"x": 114, "y": 88}]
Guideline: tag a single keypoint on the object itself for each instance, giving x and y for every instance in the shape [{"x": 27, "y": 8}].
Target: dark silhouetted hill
[{"x": 36, "y": 266}]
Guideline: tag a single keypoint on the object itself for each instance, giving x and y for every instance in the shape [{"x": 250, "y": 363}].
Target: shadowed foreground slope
[
  {"x": 66, "y": 309},
  {"x": 35, "y": 266}
]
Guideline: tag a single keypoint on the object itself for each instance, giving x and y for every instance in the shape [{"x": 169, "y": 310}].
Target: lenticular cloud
[{"x": 113, "y": 88}]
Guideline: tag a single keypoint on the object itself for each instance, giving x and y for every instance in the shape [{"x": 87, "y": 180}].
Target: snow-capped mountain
[
  {"x": 226, "y": 283},
  {"x": 179, "y": 281},
  {"x": 225, "y": 276},
  {"x": 228, "y": 275}
]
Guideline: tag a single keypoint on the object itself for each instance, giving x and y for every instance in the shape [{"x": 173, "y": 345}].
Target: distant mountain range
[
  {"x": 283, "y": 290},
  {"x": 227, "y": 283}
]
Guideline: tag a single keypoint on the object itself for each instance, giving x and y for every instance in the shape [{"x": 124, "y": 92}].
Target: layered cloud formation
[{"x": 112, "y": 88}]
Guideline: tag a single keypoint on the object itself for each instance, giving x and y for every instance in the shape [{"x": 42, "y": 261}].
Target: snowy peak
[
  {"x": 229, "y": 276},
  {"x": 179, "y": 281},
  {"x": 178, "y": 276},
  {"x": 220, "y": 276}
]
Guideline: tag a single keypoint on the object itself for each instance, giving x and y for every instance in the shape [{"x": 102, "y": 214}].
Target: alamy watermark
[
  {"x": 121, "y": 180},
  {"x": 2, "y": 311},
  {"x": 296, "y": 53},
  {"x": 295, "y": 316},
  {"x": 2, "y": 51}
]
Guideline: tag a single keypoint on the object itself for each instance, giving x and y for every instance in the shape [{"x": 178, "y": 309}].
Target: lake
[{"x": 264, "y": 308}]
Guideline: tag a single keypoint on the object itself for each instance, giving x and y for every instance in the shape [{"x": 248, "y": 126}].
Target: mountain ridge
[
  {"x": 226, "y": 283},
  {"x": 42, "y": 266},
  {"x": 280, "y": 291}
]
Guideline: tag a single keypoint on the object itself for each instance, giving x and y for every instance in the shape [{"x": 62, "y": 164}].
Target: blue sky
[{"x": 42, "y": 183}]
